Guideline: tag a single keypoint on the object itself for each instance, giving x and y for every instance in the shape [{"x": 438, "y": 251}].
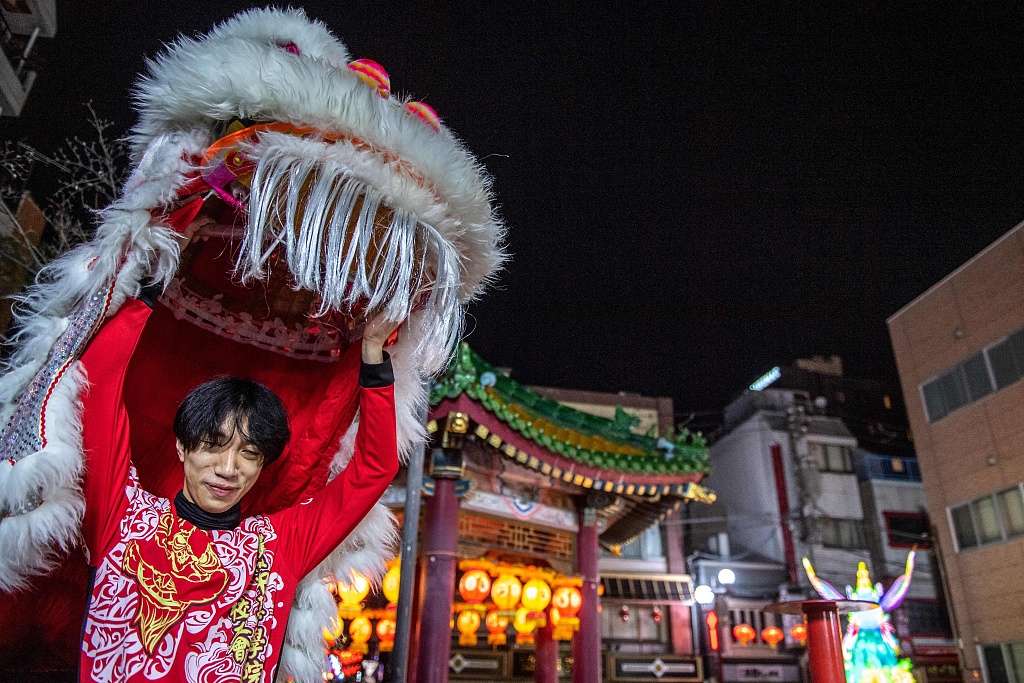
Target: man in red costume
[{"x": 187, "y": 590}]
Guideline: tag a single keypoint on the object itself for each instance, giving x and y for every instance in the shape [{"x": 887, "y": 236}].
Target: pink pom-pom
[
  {"x": 373, "y": 74},
  {"x": 424, "y": 112}
]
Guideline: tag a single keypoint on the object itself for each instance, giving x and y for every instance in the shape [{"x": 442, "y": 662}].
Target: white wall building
[
  {"x": 786, "y": 478},
  {"x": 21, "y": 23}
]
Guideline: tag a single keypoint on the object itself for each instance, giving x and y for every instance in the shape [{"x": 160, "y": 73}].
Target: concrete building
[
  {"x": 960, "y": 352},
  {"x": 21, "y": 23},
  {"x": 810, "y": 463}
]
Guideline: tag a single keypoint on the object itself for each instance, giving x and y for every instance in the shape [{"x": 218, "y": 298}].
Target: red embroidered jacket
[{"x": 174, "y": 602}]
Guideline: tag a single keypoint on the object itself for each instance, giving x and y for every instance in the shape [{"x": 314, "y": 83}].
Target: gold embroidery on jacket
[{"x": 166, "y": 568}]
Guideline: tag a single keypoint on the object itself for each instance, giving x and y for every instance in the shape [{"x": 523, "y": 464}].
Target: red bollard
[{"x": 824, "y": 639}]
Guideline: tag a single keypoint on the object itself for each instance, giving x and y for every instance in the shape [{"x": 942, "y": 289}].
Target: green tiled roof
[{"x": 585, "y": 438}]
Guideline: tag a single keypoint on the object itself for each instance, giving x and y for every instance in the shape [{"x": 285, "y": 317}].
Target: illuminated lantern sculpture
[
  {"x": 468, "y": 624},
  {"x": 799, "y": 633},
  {"x": 475, "y": 586},
  {"x": 506, "y": 591},
  {"x": 496, "y": 624},
  {"x": 524, "y": 624},
  {"x": 389, "y": 586},
  {"x": 536, "y": 595},
  {"x": 360, "y": 631},
  {"x": 744, "y": 633},
  {"x": 870, "y": 650},
  {"x": 386, "y": 634},
  {"x": 772, "y": 635},
  {"x": 351, "y": 594}
]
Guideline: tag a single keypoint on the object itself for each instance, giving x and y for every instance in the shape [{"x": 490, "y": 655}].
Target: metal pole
[{"x": 410, "y": 526}]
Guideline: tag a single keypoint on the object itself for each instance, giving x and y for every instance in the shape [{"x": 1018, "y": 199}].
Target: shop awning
[{"x": 658, "y": 589}]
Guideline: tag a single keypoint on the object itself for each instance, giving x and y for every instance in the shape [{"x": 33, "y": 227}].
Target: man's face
[{"x": 217, "y": 475}]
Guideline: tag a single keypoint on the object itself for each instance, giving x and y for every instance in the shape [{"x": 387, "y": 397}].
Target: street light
[
  {"x": 726, "y": 577},
  {"x": 704, "y": 596}
]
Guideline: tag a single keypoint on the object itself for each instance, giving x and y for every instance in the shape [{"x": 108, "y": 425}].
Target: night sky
[{"x": 694, "y": 192}]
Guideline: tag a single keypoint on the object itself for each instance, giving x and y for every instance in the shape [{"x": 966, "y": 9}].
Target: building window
[
  {"x": 907, "y": 529},
  {"x": 1004, "y": 662},
  {"x": 847, "y": 534},
  {"x": 988, "y": 519},
  {"x": 830, "y": 457},
  {"x": 926, "y": 617},
  {"x": 991, "y": 369},
  {"x": 1007, "y": 358}
]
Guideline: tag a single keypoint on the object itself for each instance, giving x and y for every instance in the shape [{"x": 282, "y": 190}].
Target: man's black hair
[{"x": 248, "y": 407}]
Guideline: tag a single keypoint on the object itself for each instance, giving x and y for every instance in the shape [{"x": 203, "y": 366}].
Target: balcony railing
[{"x": 893, "y": 468}]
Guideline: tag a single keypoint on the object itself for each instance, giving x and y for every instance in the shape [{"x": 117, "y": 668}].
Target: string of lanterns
[
  {"x": 772, "y": 635},
  {"x": 524, "y": 597},
  {"x": 495, "y": 596}
]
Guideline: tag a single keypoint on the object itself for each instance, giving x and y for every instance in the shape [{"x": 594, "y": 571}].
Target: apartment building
[{"x": 960, "y": 352}]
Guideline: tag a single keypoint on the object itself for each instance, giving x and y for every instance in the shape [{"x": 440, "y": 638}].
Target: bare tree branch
[{"x": 89, "y": 174}]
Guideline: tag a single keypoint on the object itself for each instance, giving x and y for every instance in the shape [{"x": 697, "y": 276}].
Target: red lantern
[
  {"x": 799, "y": 633},
  {"x": 624, "y": 613},
  {"x": 744, "y": 633},
  {"x": 656, "y": 614},
  {"x": 475, "y": 586},
  {"x": 772, "y": 635}
]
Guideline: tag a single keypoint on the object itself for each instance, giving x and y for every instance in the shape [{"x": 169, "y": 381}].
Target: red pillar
[
  {"x": 436, "y": 582},
  {"x": 678, "y": 615},
  {"x": 545, "y": 655},
  {"x": 824, "y": 642},
  {"x": 586, "y": 645}
]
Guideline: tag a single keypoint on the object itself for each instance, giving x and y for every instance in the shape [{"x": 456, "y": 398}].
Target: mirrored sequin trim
[{"x": 24, "y": 433}]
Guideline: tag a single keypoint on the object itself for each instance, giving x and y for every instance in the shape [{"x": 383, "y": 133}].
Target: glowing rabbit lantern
[
  {"x": 506, "y": 591},
  {"x": 496, "y": 623},
  {"x": 565, "y": 605},
  {"x": 475, "y": 586},
  {"x": 536, "y": 595},
  {"x": 351, "y": 594},
  {"x": 468, "y": 624},
  {"x": 360, "y": 631},
  {"x": 386, "y": 634},
  {"x": 390, "y": 585},
  {"x": 524, "y": 624},
  {"x": 869, "y": 646}
]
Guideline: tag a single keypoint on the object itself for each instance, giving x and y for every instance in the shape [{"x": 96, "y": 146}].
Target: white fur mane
[{"x": 191, "y": 91}]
